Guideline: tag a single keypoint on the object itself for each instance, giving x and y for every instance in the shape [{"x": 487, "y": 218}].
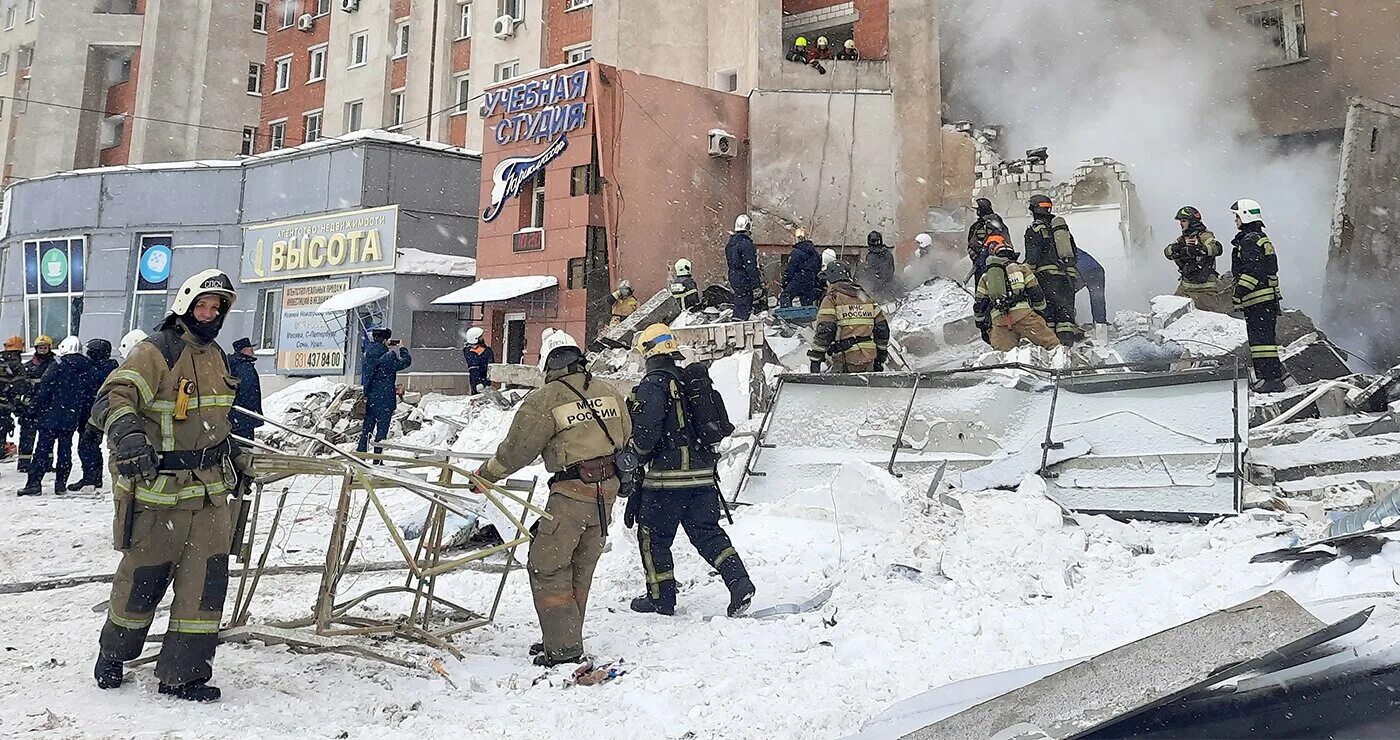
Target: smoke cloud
[{"x": 1157, "y": 87}]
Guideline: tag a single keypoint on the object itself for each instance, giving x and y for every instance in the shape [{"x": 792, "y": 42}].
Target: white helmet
[
  {"x": 923, "y": 242},
  {"x": 1248, "y": 210},
  {"x": 129, "y": 342},
  {"x": 742, "y": 223},
  {"x": 554, "y": 340},
  {"x": 70, "y": 345},
  {"x": 828, "y": 256},
  {"x": 474, "y": 335},
  {"x": 205, "y": 281},
  {"x": 682, "y": 267}
]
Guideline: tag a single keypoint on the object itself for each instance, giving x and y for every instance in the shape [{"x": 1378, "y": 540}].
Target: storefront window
[
  {"x": 266, "y": 320},
  {"x": 53, "y": 286},
  {"x": 153, "y": 263}
]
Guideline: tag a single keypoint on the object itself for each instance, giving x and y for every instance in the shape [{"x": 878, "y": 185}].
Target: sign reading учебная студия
[{"x": 342, "y": 243}]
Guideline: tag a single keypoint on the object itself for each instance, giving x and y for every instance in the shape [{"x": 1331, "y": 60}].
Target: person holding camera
[{"x": 379, "y": 375}]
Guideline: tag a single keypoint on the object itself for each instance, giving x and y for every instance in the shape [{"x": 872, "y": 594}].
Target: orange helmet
[
  {"x": 14, "y": 344},
  {"x": 993, "y": 242}
]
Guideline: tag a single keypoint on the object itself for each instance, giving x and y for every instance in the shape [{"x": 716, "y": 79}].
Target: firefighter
[
  {"x": 1194, "y": 253},
  {"x": 741, "y": 256},
  {"x": 677, "y": 418},
  {"x": 848, "y": 52},
  {"x": 34, "y": 369},
  {"x": 13, "y": 388},
  {"x": 986, "y": 224},
  {"x": 851, "y": 331},
  {"x": 878, "y": 270},
  {"x": 577, "y": 425},
  {"x": 801, "y": 277},
  {"x": 798, "y": 52},
  {"x": 1009, "y": 301},
  {"x": 129, "y": 342},
  {"x": 683, "y": 288},
  {"x": 60, "y": 403},
  {"x": 89, "y": 436},
  {"x": 479, "y": 357},
  {"x": 622, "y": 303},
  {"x": 1257, "y": 293},
  {"x": 822, "y": 52},
  {"x": 1051, "y": 251},
  {"x": 165, "y": 414}
]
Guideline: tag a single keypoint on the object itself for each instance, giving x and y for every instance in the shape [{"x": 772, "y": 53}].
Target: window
[
  {"x": 464, "y": 21},
  {"x": 282, "y": 77},
  {"x": 401, "y": 40},
  {"x": 576, "y": 4},
  {"x": 289, "y": 13},
  {"x": 437, "y": 330},
  {"x": 537, "y": 202},
  {"x": 354, "y": 113},
  {"x": 513, "y": 8},
  {"x": 26, "y": 56},
  {"x": 323, "y": 7},
  {"x": 10, "y": 14},
  {"x": 31, "y": 11},
  {"x": 1282, "y": 24},
  {"x": 277, "y": 132},
  {"x": 464, "y": 94},
  {"x": 123, "y": 73},
  {"x": 396, "y": 110},
  {"x": 4, "y": 63},
  {"x": 576, "y": 273},
  {"x": 727, "y": 80},
  {"x": 580, "y": 53},
  {"x": 260, "y": 17},
  {"x": 53, "y": 286},
  {"x": 269, "y": 316},
  {"x": 250, "y": 135},
  {"x": 255, "y": 78},
  {"x": 359, "y": 49},
  {"x": 152, "y": 280},
  {"x": 318, "y": 64},
  {"x": 507, "y": 70},
  {"x": 112, "y": 132},
  {"x": 311, "y": 127},
  {"x": 584, "y": 180}
]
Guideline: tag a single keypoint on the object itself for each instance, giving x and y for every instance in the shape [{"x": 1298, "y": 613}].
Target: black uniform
[
  {"x": 987, "y": 223},
  {"x": 680, "y": 488},
  {"x": 89, "y": 436},
  {"x": 13, "y": 387},
  {"x": 61, "y": 404},
  {"x": 1051, "y": 251},
  {"x": 686, "y": 293},
  {"x": 878, "y": 272},
  {"x": 1257, "y": 294},
  {"x": 34, "y": 370}
]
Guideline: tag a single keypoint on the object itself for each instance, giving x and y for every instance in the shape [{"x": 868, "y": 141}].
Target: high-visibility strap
[
  {"x": 1263, "y": 350},
  {"x": 131, "y": 624},
  {"x": 135, "y": 378},
  {"x": 195, "y": 626}
]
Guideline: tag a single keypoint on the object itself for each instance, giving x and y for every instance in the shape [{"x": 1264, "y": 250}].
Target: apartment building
[{"x": 85, "y": 83}]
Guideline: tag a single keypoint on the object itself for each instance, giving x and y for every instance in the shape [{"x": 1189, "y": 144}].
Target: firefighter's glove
[
  {"x": 136, "y": 458},
  {"x": 634, "y": 506}
]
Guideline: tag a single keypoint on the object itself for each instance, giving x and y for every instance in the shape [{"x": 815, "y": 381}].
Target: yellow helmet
[
  {"x": 14, "y": 344},
  {"x": 656, "y": 340},
  {"x": 801, "y": 42},
  {"x": 43, "y": 339}
]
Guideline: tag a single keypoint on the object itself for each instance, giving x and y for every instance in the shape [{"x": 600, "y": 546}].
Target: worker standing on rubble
[
  {"x": 165, "y": 413},
  {"x": 577, "y": 425},
  {"x": 683, "y": 288},
  {"x": 1257, "y": 293},
  {"x": 986, "y": 224},
  {"x": 1194, "y": 253},
  {"x": 479, "y": 357},
  {"x": 1009, "y": 301},
  {"x": 878, "y": 271},
  {"x": 801, "y": 281},
  {"x": 14, "y": 390},
  {"x": 851, "y": 332},
  {"x": 34, "y": 369},
  {"x": 677, "y": 419},
  {"x": 622, "y": 303},
  {"x": 242, "y": 366},
  {"x": 744, "y": 279},
  {"x": 1051, "y": 251},
  {"x": 89, "y": 436},
  {"x": 379, "y": 375}
]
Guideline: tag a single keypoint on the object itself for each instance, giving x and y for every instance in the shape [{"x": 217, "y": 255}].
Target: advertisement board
[
  {"x": 306, "y": 343},
  {"x": 352, "y": 242}
]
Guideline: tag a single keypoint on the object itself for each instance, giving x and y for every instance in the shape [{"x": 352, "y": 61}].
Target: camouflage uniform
[{"x": 1009, "y": 299}]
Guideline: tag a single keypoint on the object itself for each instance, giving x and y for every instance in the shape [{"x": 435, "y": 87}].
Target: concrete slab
[
  {"x": 1297, "y": 461},
  {"x": 660, "y": 308}
]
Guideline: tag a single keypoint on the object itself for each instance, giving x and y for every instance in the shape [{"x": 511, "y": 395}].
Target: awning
[
  {"x": 353, "y": 298},
  {"x": 498, "y": 289}
]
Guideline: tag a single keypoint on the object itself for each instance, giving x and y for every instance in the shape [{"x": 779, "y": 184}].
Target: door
[{"x": 515, "y": 338}]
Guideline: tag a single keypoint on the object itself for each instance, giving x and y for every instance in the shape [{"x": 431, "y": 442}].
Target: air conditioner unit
[
  {"x": 306, "y": 22},
  {"x": 503, "y": 27},
  {"x": 723, "y": 144},
  {"x": 349, "y": 6}
]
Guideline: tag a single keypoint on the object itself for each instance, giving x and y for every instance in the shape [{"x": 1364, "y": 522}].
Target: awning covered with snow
[
  {"x": 353, "y": 298},
  {"x": 418, "y": 262},
  {"x": 493, "y": 290}
]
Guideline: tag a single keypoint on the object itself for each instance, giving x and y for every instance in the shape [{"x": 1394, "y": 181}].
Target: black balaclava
[{"x": 206, "y": 331}]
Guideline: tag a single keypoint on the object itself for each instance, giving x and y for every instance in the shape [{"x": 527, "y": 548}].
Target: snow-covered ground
[{"x": 923, "y": 596}]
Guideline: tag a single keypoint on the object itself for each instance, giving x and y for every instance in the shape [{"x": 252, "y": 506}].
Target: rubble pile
[{"x": 332, "y": 411}]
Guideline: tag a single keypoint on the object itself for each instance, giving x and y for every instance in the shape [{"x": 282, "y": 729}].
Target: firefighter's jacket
[
  {"x": 622, "y": 306},
  {"x": 148, "y": 385},
  {"x": 553, "y": 423},
  {"x": 660, "y": 434},
  {"x": 1196, "y": 262},
  {"x": 686, "y": 292},
  {"x": 1050, "y": 247},
  {"x": 1255, "y": 266},
  {"x": 851, "y": 325},
  {"x": 1006, "y": 292}
]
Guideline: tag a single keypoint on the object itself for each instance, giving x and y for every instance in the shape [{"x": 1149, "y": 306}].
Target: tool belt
[
  {"x": 595, "y": 470},
  {"x": 840, "y": 346},
  {"x": 197, "y": 459}
]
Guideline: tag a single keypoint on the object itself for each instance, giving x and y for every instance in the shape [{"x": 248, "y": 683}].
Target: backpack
[{"x": 707, "y": 421}]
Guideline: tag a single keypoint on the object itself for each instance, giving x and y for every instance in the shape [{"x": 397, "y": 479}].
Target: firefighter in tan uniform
[
  {"x": 165, "y": 412},
  {"x": 622, "y": 303},
  {"x": 1194, "y": 253},
  {"x": 851, "y": 331},
  {"x": 1009, "y": 301},
  {"x": 577, "y": 425}
]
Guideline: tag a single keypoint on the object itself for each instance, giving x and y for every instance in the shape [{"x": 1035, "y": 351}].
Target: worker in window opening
[
  {"x": 1051, "y": 251},
  {"x": 577, "y": 426},
  {"x": 1194, "y": 253},
  {"x": 1092, "y": 276},
  {"x": 801, "y": 277},
  {"x": 34, "y": 369},
  {"x": 622, "y": 303},
  {"x": 877, "y": 273},
  {"x": 798, "y": 52},
  {"x": 986, "y": 224},
  {"x": 848, "y": 52},
  {"x": 822, "y": 52},
  {"x": 683, "y": 288},
  {"x": 851, "y": 332},
  {"x": 14, "y": 391},
  {"x": 1257, "y": 293},
  {"x": 741, "y": 256},
  {"x": 379, "y": 374},
  {"x": 479, "y": 358},
  {"x": 1009, "y": 301}
]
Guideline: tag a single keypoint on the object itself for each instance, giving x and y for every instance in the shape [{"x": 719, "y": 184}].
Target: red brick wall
[
  {"x": 121, "y": 98},
  {"x": 565, "y": 29},
  {"x": 300, "y": 96}
]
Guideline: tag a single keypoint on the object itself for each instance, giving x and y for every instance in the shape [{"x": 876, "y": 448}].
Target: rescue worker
[
  {"x": 89, "y": 436},
  {"x": 680, "y": 486},
  {"x": 683, "y": 288},
  {"x": 241, "y": 365},
  {"x": 64, "y": 393},
  {"x": 13, "y": 388},
  {"x": 165, "y": 413},
  {"x": 878, "y": 270},
  {"x": 921, "y": 267},
  {"x": 851, "y": 332},
  {"x": 1093, "y": 277},
  {"x": 379, "y": 375},
  {"x": 798, "y": 52},
  {"x": 129, "y": 342},
  {"x": 1194, "y": 253},
  {"x": 801, "y": 279},
  {"x": 822, "y": 52},
  {"x": 577, "y": 425},
  {"x": 848, "y": 52},
  {"x": 479, "y": 357},
  {"x": 741, "y": 256},
  {"x": 622, "y": 303},
  {"x": 986, "y": 224},
  {"x": 34, "y": 369},
  {"x": 1050, "y": 250},
  {"x": 1257, "y": 293},
  {"x": 1009, "y": 301}
]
